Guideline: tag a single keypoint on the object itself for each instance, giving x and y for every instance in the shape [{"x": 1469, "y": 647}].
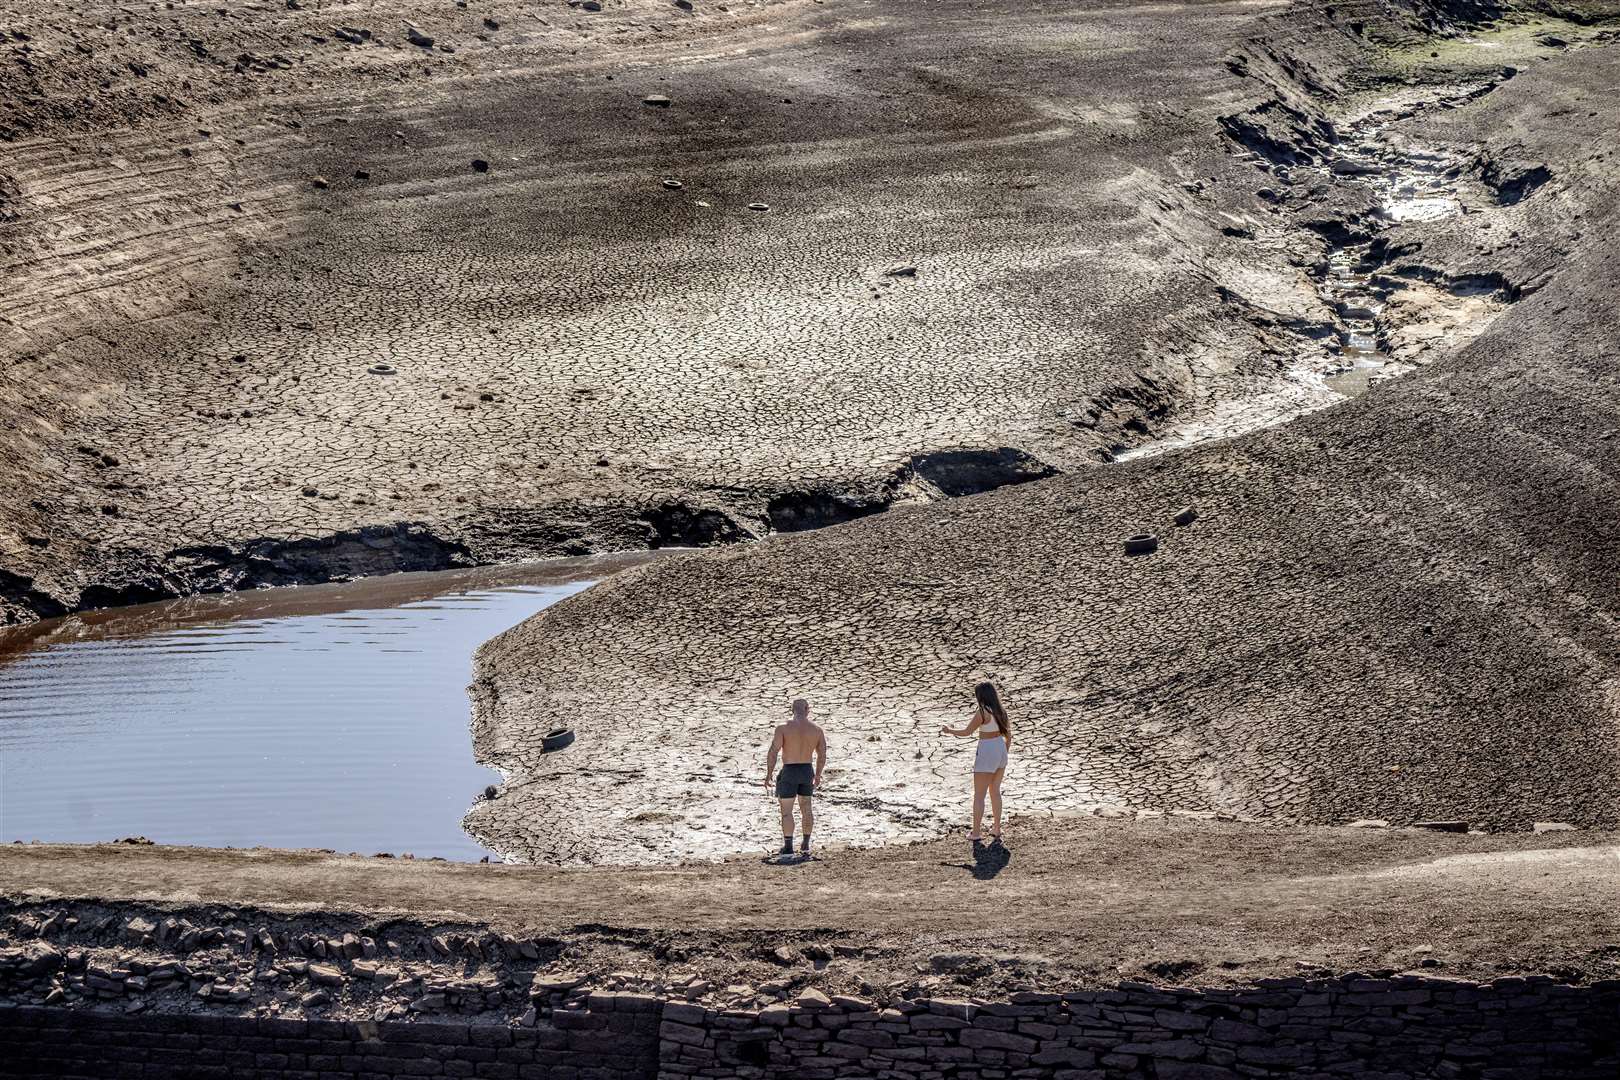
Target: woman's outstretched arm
[{"x": 973, "y": 724}]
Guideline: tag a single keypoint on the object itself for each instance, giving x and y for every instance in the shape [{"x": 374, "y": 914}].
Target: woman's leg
[
  {"x": 995, "y": 801},
  {"x": 981, "y": 783}
]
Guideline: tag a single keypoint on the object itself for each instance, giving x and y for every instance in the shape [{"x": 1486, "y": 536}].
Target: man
[{"x": 797, "y": 741}]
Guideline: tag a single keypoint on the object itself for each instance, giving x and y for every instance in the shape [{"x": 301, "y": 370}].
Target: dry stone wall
[
  {"x": 1352, "y": 1026},
  {"x": 603, "y": 1043},
  {"x": 1358, "y": 1026}
]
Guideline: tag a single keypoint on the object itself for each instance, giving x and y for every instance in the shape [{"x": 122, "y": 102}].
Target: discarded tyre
[
  {"x": 1186, "y": 516},
  {"x": 381, "y": 369},
  {"x": 1141, "y": 544},
  {"x": 556, "y": 739}
]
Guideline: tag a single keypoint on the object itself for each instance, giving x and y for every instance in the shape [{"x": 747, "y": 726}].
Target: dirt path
[{"x": 1077, "y": 900}]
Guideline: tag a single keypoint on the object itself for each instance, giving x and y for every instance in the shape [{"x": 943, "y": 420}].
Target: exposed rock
[{"x": 325, "y": 975}]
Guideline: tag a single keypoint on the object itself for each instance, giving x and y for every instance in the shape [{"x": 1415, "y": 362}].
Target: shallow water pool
[{"x": 323, "y": 716}]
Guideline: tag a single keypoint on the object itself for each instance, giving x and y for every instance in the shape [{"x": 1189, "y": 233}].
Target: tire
[
  {"x": 556, "y": 740},
  {"x": 1141, "y": 544}
]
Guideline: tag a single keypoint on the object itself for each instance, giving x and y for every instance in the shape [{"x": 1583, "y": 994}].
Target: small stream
[
  {"x": 1408, "y": 185},
  {"x": 320, "y": 716}
]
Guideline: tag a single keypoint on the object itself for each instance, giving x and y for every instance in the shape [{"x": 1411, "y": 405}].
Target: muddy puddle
[
  {"x": 323, "y": 716},
  {"x": 1381, "y": 325}
]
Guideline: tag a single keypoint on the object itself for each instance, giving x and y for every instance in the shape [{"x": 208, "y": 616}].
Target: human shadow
[
  {"x": 989, "y": 859},
  {"x": 778, "y": 859}
]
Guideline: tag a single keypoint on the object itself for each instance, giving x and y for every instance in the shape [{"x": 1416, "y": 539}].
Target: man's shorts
[{"x": 795, "y": 780}]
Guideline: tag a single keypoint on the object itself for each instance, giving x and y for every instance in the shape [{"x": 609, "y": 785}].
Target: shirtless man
[{"x": 797, "y": 741}]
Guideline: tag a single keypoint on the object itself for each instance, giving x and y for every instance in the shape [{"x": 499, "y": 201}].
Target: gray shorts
[{"x": 795, "y": 780}]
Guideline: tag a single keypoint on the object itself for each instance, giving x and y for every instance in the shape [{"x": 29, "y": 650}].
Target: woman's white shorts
[{"x": 991, "y": 755}]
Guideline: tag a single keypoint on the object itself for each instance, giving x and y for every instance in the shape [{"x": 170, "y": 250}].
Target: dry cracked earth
[
  {"x": 1399, "y": 607},
  {"x": 302, "y": 291}
]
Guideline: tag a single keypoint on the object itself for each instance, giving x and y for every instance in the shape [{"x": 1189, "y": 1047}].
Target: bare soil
[
  {"x": 1066, "y": 902},
  {"x": 1401, "y": 607}
]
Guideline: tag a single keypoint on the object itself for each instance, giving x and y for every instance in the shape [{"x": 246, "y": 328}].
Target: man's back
[{"x": 799, "y": 741}]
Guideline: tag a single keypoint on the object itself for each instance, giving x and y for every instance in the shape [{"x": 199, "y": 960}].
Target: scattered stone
[
  {"x": 417, "y": 38},
  {"x": 901, "y": 271},
  {"x": 1368, "y": 823},
  {"x": 1553, "y": 826},
  {"x": 784, "y": 955},
  {"x": 325, "y": 974},
  {"x": 657, "y": 101},
  {"x": 554, "y": 982},
  {"x": 320, "y": 182},
  {"x": 684, "y": 5},
  {"x": 479, "y": 165},
  {"x": 1185, "y": 516},
  {"x": 361, "y": 174},
  {"x": 1442, "y": 826},
  {"x": 315, "y": 999}
]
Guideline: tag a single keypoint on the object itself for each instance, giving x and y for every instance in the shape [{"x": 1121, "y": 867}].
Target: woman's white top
[{"x": 989, "y": 725}]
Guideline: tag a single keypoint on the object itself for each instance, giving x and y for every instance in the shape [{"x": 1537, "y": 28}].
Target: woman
[{"x": 990, "y": 724}]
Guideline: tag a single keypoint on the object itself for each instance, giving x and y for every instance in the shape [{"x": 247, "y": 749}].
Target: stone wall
[
  {"x": 1351, "y": 1026},
  {"x": 613, "y": 1040},
  {"x": 1354, "y": 1026}
]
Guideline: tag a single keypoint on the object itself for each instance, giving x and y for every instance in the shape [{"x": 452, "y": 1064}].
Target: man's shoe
[
  {"x": 804, "y": 848},
  {"x": 787, "y": 846}
]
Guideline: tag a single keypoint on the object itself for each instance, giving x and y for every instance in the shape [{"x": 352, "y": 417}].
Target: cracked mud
[
  {"x": 650, "y": 277},
  {"x": 1368, "y": 610}
]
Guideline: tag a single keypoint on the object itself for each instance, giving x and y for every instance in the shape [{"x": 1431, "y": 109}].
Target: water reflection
[{"x": 330, "y": 716}]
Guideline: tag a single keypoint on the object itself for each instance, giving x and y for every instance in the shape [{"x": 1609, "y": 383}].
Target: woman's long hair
[{"x": 990, "y": 702}]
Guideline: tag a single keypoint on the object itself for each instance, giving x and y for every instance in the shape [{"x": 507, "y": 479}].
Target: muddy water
[{"x": 325, "y": 716}]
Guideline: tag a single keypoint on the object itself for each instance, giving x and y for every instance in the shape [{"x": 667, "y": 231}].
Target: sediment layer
[{"x": 495, "y": 293}]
